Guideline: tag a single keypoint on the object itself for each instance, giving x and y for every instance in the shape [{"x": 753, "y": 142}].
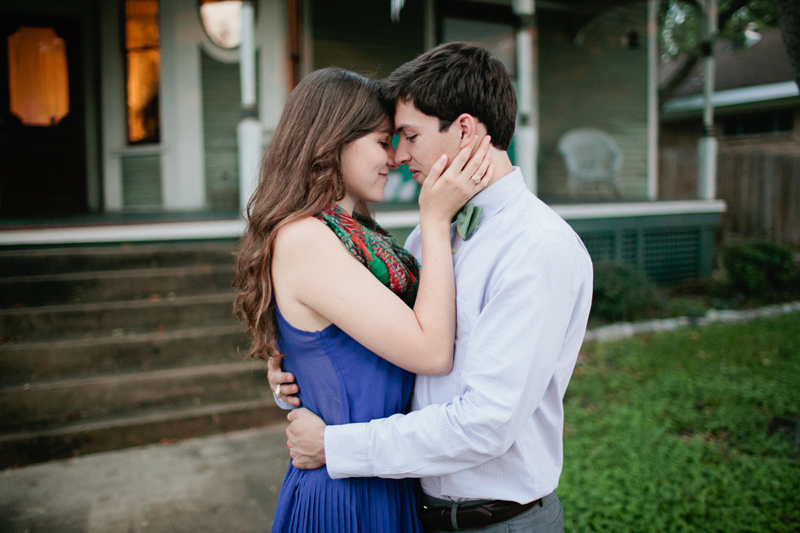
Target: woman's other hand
[
  {"x": 445, "y": 191},
  {"x": 282, "y": 383}
]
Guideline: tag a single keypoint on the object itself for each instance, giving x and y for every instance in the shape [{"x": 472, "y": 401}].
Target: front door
[{"x": 42, "y": 120}]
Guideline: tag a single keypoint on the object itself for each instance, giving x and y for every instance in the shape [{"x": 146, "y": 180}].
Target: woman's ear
[{"x": 467, "y": 126}]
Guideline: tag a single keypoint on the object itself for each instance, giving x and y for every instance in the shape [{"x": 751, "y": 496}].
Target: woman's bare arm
[{"x": 312, "y": 268}]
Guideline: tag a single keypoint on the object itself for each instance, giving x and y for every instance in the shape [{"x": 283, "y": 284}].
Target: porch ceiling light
[{"x": 222, "y": 20}]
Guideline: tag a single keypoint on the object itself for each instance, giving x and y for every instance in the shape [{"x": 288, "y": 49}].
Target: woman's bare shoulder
[{"x": 304, "y": 235}]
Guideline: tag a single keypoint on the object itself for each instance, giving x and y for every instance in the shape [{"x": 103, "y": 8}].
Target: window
[
  {"x": 758, "y": 124},
  {"x": 143, "y": 59},
  {"x": 37, "y": 76}
]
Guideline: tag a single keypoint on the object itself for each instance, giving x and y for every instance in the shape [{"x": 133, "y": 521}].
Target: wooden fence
[{"x": 761, "y": 189}]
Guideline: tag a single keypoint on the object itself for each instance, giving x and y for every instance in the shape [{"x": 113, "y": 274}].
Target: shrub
[
  {"x": 622, "y": 291},
  {"x": 685, "y": 306},
  {"x": 759, "y": 268}
]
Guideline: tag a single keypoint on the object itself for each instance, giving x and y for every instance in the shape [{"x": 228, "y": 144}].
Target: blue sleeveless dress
[{"x": 342, "y": 382}]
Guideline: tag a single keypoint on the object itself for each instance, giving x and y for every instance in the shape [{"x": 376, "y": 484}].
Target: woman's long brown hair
[{"x": 300, "y": 174}]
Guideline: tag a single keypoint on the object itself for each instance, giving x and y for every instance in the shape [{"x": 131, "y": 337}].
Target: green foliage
[
  {"x": 689, "y": 431},
  {"x": 685, "y": 306},
  {"x": 761, "y": 269},
  {"x": 622, "y": 292},
  {"x": 680, "y": 23}
]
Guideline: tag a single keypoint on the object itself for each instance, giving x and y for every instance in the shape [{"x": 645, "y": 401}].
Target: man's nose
[{"x": 401, "y": 156}]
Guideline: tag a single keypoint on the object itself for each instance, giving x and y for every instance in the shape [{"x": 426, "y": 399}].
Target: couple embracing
[{"x": 488, "y": 311}]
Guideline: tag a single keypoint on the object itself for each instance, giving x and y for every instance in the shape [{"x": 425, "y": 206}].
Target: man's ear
[{"x": 467, "y": 127}]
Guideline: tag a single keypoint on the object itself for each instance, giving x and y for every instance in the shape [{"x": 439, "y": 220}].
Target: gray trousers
[{"x": 547, "y": 518}]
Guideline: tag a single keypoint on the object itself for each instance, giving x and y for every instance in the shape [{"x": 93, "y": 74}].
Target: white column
[
  {"x": 112, "y": 96},
  {"x": 182, "y": 160},
  {"x": 430, "y": 25},
  {"x": 249, "y": 131},
  {"x": 707, "y": 145},
  {"x": 652, "y": 100},
  {"x": 527, "y": 131},
  {"x": 272, "y": 41}
]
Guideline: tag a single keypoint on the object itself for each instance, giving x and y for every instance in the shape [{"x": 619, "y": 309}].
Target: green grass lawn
[{"x": 686, "y": 431}]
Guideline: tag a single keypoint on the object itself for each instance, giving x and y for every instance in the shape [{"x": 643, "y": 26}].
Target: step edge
[
  {"x": 215, "y": 297},
  {"x": 133, "y": 273},
  {"x": 130, "y": 338},
  {"x": 121, "y": 422},
  {"x": 222, "y": 369}
]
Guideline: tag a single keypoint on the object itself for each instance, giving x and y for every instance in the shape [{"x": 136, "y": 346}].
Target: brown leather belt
[{"x": 472, "y": 516}]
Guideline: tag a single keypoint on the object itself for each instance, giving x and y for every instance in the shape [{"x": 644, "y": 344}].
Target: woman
[{"x": 351, "y": 335}]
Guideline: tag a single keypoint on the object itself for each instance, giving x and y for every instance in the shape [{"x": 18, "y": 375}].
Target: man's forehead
[{"x": 406, "y": 115}]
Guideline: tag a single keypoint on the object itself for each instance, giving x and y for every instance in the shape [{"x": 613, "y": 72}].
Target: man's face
[{"x": 421, "y": 143}]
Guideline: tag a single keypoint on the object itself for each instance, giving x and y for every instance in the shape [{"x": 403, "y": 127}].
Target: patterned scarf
[{"x": 377, "y": 250}]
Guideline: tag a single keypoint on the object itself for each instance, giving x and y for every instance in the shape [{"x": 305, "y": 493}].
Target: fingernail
[{"x": 442, "y": 157}]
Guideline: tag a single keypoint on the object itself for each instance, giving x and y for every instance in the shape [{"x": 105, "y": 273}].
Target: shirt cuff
[
  {"x": 346, "y": 451},
  {"x": 282, "y": 404}
]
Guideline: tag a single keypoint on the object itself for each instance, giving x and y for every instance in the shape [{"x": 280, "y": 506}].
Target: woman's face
[{"x": 365, "y": 166}]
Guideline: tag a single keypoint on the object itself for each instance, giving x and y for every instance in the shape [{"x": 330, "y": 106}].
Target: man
[{"x": 486, "y": 439}]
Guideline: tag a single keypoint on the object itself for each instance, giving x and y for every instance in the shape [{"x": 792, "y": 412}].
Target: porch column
[
  {"x": 248, "y": 132},
  {"x": 527, "y": 131},
  {"x": 707, "y": 145}
]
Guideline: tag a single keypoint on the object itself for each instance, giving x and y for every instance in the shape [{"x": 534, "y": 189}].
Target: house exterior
[
  {"x": 757, "y": 108},
  {"x": 150, "y": 114}
]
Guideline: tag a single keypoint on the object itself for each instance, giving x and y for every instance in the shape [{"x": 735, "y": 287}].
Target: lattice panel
[{"x": 671, "y": 254}]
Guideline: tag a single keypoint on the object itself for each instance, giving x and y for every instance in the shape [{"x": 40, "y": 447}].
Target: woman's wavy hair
[{"x": 300, "y": 174}]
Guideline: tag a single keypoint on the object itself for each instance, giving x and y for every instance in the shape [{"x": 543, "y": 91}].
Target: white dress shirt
[{"x": 492, "y": 428}]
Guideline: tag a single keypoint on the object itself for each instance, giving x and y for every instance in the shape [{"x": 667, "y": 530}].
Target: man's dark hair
[{"x": 456, "y": 78}]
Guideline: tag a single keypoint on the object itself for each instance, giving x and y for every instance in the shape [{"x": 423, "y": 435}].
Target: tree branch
[{"x": 691, "y": 60}]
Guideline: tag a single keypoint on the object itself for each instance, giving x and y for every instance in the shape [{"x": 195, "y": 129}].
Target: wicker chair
[{"x": 591, "y": 157}]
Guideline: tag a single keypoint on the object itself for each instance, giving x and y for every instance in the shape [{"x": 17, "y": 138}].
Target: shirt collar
[{"x": 497, "y": 195}]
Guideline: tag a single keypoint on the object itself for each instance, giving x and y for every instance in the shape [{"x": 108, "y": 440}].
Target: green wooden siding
[
  {"x": 141, "y": 180},
  {"x": 600, "y": 83},
  {"x": 221, "y": 115},
  {"x": 359, "y": 35}
]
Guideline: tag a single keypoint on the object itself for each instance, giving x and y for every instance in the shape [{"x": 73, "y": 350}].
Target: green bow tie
[{"x": 467, "y": 220}]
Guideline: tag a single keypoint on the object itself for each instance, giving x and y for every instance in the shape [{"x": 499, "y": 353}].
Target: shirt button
[{"x": 453, "y": 251}]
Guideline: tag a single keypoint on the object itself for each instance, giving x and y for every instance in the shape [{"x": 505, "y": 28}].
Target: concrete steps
[
  {"x": 121, "y": 257},
  {"x": 136, "y": 429},
  {"x": 77, "y": 320},
  {"x": 107, "y": 347},
  {"x": 113, "y": 285},
  {"x": 23, "y": 362}
]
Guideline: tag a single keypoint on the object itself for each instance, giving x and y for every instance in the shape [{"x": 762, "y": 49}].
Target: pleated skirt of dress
[{"x": 311, "y": 502}]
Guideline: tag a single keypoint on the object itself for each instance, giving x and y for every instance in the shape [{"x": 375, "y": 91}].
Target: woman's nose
[{"x": 391, "y": 155}]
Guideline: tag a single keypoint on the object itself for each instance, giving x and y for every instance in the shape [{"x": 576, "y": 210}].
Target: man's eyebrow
[{"x": 400, "y": 128}]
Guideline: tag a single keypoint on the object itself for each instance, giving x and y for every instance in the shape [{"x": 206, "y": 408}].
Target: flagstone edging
[{"x": 623, "y": 330}]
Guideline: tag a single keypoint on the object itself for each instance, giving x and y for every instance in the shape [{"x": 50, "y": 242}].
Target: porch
[{"x": 671, "y": 240}]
